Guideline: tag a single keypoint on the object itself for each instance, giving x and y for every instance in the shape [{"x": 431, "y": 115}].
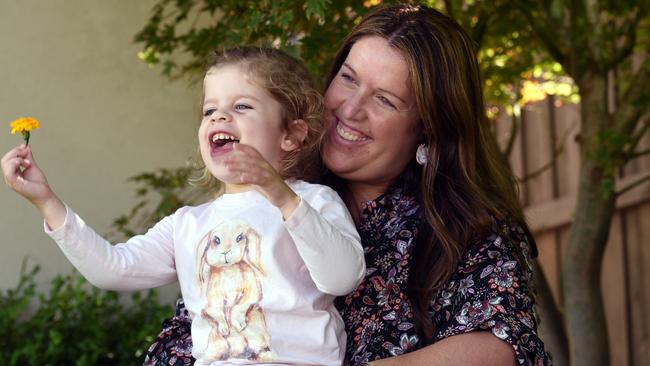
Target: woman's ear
[{"x": 295, "y": 136}]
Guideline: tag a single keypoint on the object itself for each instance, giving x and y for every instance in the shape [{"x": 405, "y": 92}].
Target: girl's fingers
[
  {"x": 15, "y": 152},
  {"x": 11, "y": 170},
  {"x": 247, "y": 150}
]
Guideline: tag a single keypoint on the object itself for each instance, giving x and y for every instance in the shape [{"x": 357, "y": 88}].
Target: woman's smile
[{"x": 349, "y": 134}]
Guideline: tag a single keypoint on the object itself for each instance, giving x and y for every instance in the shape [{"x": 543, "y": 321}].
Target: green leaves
[
  {"x": 316, "y": 9},
  {"x": 191, "y": 30},
  {"x": 158, "y": 194},
  {"x": 609, "y": 156},
  {"x": 75, "y": 324}
]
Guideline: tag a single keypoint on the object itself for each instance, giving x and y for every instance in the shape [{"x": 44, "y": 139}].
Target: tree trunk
[
  {"x": 551, "y": 323},
  {"x": 583, "y": 253}
]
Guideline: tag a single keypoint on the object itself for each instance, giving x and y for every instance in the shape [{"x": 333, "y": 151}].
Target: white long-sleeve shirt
[{"x": 259, "y": 289}]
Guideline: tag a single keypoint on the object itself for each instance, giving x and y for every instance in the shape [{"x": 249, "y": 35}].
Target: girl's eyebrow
[
  {"x": 235, "y": 97},
  {"x": 379, "y": 89}
]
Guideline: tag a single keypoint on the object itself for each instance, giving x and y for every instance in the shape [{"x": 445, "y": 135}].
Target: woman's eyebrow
[
  {"x": 379, "y": 89},
  {"x": 349, "y": 67}
]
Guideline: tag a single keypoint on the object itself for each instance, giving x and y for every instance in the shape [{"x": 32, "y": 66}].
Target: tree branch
[
  {"x": 543, "y": 168},
  {"x": 633, "y": 185},
  {"x": 513, "y": 135},
  {"x": 625, "y": 50},
  {"x": 630, "y": 152},
  {"x": 636, "y": 101},
  {"x": 639, "y": 154},
  {"x": 479, "y": 30},
  {"x": 543, "y": 27},
  {"x": 557, "y": 152},
  {"x": 449, "y": 7}
]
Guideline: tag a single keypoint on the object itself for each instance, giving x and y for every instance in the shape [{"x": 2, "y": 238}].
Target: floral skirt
[{"x": 173, "y": 346}]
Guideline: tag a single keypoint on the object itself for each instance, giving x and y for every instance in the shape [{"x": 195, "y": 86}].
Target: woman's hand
[
  {"x": 480, "y": 348},
  {"x": 22, "y": 174},
  {"x": 250, "y": 167}
]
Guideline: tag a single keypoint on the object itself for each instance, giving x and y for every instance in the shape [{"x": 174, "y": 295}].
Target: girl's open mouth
[{"x": 221, "y": 143}]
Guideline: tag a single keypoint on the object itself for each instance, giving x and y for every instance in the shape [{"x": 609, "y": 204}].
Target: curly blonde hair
[{"x": 289, "y": 83}]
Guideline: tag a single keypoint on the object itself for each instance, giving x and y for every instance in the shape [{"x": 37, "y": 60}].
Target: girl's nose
[{"x": 220, "y": 116}]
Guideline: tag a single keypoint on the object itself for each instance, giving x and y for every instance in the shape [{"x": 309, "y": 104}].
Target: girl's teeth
[
  {"x": 347, "y": 135},
  {"x": 222, "y": 136}
]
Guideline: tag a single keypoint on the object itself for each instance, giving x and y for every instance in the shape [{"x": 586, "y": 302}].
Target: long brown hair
[{"x": 467, "y": 183}]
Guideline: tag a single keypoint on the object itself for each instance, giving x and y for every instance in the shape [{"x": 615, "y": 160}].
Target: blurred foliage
[
  {"x": 181, "y": 34},
  {"x": 75, "y": 324},
  {"x": 158, "y": 194}
]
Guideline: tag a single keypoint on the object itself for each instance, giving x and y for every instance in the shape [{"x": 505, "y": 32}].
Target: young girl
[{"x": 260, "y": 265}]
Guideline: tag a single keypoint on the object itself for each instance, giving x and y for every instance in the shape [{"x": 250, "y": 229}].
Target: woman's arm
[{"x": 479, "y": 348}]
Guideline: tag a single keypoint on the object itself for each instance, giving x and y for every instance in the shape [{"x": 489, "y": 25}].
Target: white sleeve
[
  {"x": 328, "y": 242},
  {"x": 144, "y": 261}
]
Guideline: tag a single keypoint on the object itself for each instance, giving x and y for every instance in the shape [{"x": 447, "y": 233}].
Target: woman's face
[{"x": 371, "y": 120}]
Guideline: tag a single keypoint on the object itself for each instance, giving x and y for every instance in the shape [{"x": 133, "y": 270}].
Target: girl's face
[
  {"x": 237, "y": 110},
  {"x": 371, "y": 120}
]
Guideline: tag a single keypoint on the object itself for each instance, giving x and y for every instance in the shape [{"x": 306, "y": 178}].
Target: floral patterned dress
[
  {"x": 173, "y": 347},
  {"x": 488, "y": 291}
]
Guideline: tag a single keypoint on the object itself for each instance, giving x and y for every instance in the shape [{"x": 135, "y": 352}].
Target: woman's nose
[{"x": 353, "y": 107}]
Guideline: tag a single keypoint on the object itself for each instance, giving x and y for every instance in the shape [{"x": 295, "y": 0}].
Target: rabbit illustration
[{"x": 228, "y": 265}]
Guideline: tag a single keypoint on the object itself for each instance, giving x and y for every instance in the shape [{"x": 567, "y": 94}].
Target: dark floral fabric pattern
[
  {"x": 378, "y": 315},
  {"x": 489, "y": 290},
  {"x": 173, "y": 346}
]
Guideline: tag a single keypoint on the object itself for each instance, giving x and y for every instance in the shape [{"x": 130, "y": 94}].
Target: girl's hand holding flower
[{"x": 22, "y": 174}]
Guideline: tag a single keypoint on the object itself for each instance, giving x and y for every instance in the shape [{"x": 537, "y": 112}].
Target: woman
[{"x": 408, "y": 147}]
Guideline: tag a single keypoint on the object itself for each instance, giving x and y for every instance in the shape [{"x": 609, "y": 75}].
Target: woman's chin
[{"x": 341, "y": 164}]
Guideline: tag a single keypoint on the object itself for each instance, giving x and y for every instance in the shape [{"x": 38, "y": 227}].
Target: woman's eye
[
  {"x": 241, "y": 107},
  {"x": 208, "y": 112},
  {"x": 383, "y": 100},
  {"x": 347, "y": 77}
]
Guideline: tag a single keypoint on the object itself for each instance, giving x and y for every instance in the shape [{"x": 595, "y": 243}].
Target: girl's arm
[
  {"x": 144, "y": 261},
  {"x": 147, "y": 261},
  {"x": 327, "y": 241}
]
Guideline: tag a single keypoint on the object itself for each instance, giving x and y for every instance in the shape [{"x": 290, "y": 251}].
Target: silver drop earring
[{"x": 421, "y": 154}]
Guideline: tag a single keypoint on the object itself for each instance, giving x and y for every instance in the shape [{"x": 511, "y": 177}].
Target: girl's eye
[
  {"x": 383, "y": 100},
  {"x": 241, "y": 107},
  {"x": 208, "y": 112}
]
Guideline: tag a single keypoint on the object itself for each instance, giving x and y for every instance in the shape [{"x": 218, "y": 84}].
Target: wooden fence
[{"x": 549, "y": 198}]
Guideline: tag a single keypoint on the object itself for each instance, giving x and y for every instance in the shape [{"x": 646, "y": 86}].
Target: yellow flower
[{"x": 24, "y": 124}]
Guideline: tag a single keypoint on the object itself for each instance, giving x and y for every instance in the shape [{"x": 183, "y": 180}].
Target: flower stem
[{"x": 26, "y": 137}]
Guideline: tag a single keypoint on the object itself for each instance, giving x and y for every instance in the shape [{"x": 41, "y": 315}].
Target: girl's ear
[{"x": 295, "y": 136}]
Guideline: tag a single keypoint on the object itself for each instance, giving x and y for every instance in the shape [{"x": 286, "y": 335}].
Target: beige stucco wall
[{"x": 105, "y": 116}]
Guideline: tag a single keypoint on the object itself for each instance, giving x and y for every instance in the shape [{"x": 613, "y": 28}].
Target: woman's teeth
[{"x": 348, "y": 136}]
